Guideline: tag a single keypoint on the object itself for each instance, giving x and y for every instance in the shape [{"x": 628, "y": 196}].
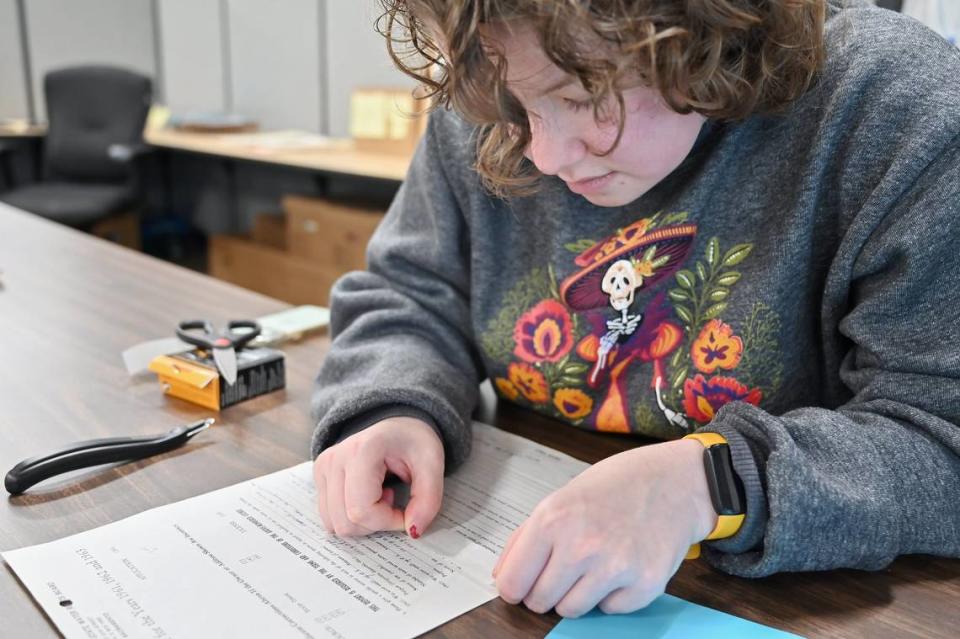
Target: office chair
[{"x": 94, "y": 141}]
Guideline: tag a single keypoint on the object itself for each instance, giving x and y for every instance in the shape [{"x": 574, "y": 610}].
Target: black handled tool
[{"x": 94, "y": 452}]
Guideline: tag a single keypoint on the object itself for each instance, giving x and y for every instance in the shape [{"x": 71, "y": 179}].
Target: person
[{"x": 663, "y": 218}]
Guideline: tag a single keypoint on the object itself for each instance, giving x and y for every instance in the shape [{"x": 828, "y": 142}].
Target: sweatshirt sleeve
[
  {"x": 858, "y": 484},
  {"x": 402, "y": 340}
]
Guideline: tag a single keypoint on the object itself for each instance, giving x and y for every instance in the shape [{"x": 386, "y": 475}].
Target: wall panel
[
  {"x": 191, "y": 53},
  {"x": 275, "y": 62},
  {"x": 357, "y": 56},
  {"x": 67, "y": 32},
  {"x": 13, "y": 81}
]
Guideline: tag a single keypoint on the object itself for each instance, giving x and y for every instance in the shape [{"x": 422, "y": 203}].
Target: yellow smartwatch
[{"x": 726, "y": 489}]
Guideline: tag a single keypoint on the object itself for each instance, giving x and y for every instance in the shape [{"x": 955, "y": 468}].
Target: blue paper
[{"x": 666, "y": 618}]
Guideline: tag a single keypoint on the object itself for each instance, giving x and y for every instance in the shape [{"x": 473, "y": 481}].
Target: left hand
[{"x": 611, "y": 537}]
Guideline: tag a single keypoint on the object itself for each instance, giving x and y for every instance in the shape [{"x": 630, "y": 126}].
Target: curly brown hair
[{"x": 724, "y": 59}]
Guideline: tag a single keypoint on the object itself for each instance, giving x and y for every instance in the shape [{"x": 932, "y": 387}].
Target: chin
[{"x": 612, "y": 197}]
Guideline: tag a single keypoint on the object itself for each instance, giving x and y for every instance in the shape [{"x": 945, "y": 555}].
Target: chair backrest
[{"x": 88, "y": 109}]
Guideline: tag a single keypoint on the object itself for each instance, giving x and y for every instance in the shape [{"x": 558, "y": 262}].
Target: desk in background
[
  {"x": 71, "y": 303},
  {"x": 17, "y": 136},
  {"x": 22, "y": 130},
  {"x": 315, "y": 161},
  {"x": 231, "y": 206},
  {"x": 222, "y": 182},
  {"x": 339, "y": 157}
]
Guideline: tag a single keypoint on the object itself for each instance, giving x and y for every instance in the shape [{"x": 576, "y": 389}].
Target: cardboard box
[
  {"x": 270, "y": 229},
  {"x": 122, "y": 229},
  {"x": 328, "y": 233},
  {"x": 193, "y": 376},
  {"x": 386, "y": 120},
  {"x": 270, "y": 271}
]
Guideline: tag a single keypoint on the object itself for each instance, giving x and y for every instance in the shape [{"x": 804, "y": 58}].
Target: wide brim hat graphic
[{"x": 583, "y": 291}]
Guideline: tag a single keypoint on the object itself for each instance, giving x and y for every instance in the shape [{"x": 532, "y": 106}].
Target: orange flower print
[
  {"x": 588, "y": 347},
  {"x": 529, "y": 381},
  {"x": 506, "y": 388},
  {"x": 544, "y": 333},
  {"x": 716, "y": 347},
  {"x": 668, "y": 338},
  {"x": 572, "y": 403},
  {"x": 702, "y": 399}
]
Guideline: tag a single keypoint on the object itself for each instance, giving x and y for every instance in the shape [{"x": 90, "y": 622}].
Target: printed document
[{"x": 253, "y": 560}]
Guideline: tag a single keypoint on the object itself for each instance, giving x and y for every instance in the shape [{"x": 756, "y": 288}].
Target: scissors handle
[
  {"x": 209, "y": 339},
  {"x": 241, "y": 339},
  {"x": 204, "y": 340}
]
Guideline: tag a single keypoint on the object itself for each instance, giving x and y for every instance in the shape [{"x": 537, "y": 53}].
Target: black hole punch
[{"x": 66, "y": 603}]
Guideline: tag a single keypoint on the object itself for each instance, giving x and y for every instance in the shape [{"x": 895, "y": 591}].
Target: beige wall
[
  {"x": 69, "y": 32},
  {"x": 13, "y": 85},
  {"x": 287, "y": 63},
  {"x": 357, "y": 56}
]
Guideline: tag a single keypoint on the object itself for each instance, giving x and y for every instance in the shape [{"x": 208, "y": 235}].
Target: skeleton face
[{"x": 619, "y": 282}]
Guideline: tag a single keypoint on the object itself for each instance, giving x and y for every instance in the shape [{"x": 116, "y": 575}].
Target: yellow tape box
[{"x": 193, "y": 376}]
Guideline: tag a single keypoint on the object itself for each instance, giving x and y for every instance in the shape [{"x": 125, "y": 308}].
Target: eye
[{"x": 577, "y": 105}]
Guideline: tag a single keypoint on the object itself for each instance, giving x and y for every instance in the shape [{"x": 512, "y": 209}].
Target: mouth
[{"x": 590, "y": 185}]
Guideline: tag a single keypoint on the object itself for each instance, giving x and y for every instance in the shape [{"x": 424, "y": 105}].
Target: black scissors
[{"x": 223, "y": 345}]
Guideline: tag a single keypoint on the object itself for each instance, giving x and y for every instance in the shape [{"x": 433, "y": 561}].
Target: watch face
[{"x": 726, "y": 490}]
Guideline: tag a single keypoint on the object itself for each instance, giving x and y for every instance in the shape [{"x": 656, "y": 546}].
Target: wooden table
[
  {"x": 70, "y": 304},
  {"x": 22, "y": 129},
  {"x": 339, "y": 157}
]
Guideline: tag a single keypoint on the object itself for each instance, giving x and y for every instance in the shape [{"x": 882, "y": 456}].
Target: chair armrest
[
  {"x": 133, "y": 157},
  {"x": 128, "y": 153}
]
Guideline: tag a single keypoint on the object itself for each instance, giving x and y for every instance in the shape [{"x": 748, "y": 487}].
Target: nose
[{"x": 552, "y": 149}]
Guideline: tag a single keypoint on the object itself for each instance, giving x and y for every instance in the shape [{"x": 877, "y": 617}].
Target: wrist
[
  {"x": 704, "y": 515},
  {"x": 725, "y": 488}
]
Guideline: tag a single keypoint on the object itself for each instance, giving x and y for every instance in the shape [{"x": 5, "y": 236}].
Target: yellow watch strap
[
  {"x": 727, "y": 525},
  {"x": 707, "y": 439}
]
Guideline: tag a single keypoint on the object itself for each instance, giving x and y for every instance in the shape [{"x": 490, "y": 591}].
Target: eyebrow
[{"x": 566, "y": 80}]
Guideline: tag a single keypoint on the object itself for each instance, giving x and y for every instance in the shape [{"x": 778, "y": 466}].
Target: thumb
[{"x": 426, "y": 495}]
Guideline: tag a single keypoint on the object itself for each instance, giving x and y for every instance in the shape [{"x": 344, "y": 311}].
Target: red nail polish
[{"x": 413, "y": 532}]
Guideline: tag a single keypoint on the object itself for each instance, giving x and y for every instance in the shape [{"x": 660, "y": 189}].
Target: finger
[
  {"x": 426, "y": 495},
  {"x": 319, "y": 473},
  {"x": 523, "y": 565},
  {"x": 389, "y": 495},
  {"x": 629, "y": 599},
  {"x": 554, "y": 582},
  {"x": 322, "y": 503},
  {"x": 342, "y": 525},
  {"x": 585, "y": 595},
  {"x": 506, "y": 549},
  {"x": 363, "y": 497}
]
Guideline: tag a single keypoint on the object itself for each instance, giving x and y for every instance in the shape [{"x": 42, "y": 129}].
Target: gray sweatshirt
[{"x": 793, "y": 286}]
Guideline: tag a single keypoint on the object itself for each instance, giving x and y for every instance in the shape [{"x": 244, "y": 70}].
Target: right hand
[{"x": 350, "y": 475}]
